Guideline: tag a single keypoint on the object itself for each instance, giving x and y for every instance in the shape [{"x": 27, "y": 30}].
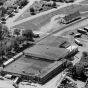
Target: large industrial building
[
  {"x": 37, "y": 63},
  {"x": 40, "y": 62}
]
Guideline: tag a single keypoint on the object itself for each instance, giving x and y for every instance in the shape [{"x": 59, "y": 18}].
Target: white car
[
  {"x": 78, "y": 42},
  {"x": 77, "y": 35}
]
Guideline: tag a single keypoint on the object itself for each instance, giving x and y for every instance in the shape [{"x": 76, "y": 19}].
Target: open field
[
  {"x": 36, "y": 23},
  {"x": 25, "y": 15}
]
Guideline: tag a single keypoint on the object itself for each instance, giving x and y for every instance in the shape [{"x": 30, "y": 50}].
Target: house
[{"x": 70, "y": 17}]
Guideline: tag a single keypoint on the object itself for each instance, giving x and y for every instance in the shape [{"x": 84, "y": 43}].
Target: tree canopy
[
  {"x": 17, "y": 31},
  {"x": 5, "y": 30},
  {"x": 79, "y": 70},
  {"x": 2, "y": 2},
  {"x": 84, "y": 54},
  {"x": 28, "y": 34},
  {"x": 1, "y": 31}
]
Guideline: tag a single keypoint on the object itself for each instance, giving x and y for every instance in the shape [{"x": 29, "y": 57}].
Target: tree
[
  {"x": 32, "y": 11},
  {"x": 22, "y": 3},
  {"x": 1, "y": 31},
  {"x": 5, "y": 30},
  {"x": 2, "y": 2},
  {"x": 3, "y": 48},
  {"x": 3, "y": 11},
  {"x": 15, "y": 44},
  {"x": 20, "y": 39},
  {"x": 79, "y": 70},
  {"x": 17, "y": 31},
  {"x": 1, "y": 25},
  {"x": 84, "y": 54},
  {"x": 9, "y": 50},
  {"x": 28, "y": 34}
]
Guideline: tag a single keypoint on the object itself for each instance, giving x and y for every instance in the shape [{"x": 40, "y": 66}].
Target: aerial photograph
[{"x": 43, "y": 43}]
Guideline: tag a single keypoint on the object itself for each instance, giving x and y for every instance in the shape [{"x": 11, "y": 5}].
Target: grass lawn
[
  {"x": 36, "y": 6},
  {"x": 23, "y": 16},
  {"x": 36, "y": 23},
  {"x": 84, "y": 2}
]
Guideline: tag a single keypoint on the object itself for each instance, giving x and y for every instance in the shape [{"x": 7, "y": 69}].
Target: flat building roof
[{"x": 47, "y": 52}]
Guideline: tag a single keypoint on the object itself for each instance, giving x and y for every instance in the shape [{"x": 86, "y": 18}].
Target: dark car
[
  {"x": 81, "y": 31},
  {"x": 86, "y": 28},
  {"x": 3, "y": 19},
  {"x": 77, "y": 35}
]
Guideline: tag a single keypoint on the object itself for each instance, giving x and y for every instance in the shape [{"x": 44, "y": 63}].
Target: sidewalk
[{"x": 43, "y": 13}]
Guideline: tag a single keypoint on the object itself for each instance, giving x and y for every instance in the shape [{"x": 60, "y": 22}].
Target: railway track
[{"x": 61, "y": 29}]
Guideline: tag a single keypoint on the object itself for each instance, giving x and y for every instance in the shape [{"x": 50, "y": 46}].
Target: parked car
[
  {"x": 81, "y": 31},
  {"x": 86, "y": 28},
  {"x": 3, "y": 19},
  {"x": 78, "y": 42},
  {"x": 3, "y": 22},
  {"x": 77, "y": 35}
]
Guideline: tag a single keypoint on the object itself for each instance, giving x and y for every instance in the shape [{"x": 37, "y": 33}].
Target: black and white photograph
[{"x": 43, "y": 43}]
